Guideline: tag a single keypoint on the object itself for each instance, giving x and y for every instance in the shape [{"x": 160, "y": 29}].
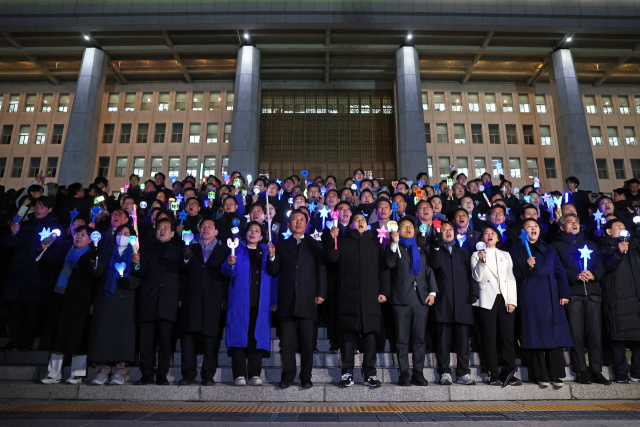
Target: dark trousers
[
  {"x": 149, "y": 331},
  {"x": 585, "y": 323},
  {"x": 189, "y": 356},
  {"x": 23, "y": 323},
  {"x": 620, "y": 358},
  {"x": 369, "y": 356},
  {"x": 547, "y": 363},
  {"x": 443, "y": 351},
  {"x": 331, "y": 310},
  {"x": 239, "y": 355},
  {"x": 497, "y": 323},
  {"x": 410, "y": 321},
  {"x": 302, "y": 329}
]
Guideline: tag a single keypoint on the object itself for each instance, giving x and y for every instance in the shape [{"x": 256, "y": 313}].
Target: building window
[
  {"x": 227, "y": 132},
  {"x": 214, "y": 100},
  {"x": 479, "y": 165},
  {"x": 607, "y": 105},
  {"x": 494, "y": 134},
  {"x": 430, "y": 166},
  {"x": 146, "y": 101},
  {"x": 438, "y": 101},
  {"x": 443, "y": 164},
  {"x": 58, "y": 130},
  {"x": 498, "y": 166},
  {"x": 121, "y": 167},
  {"x": 176, "y": 133},
  {"x": 541, "y": 105},
  {"x": 125, "y": 133},
  {"x": 212, "y": 133},
  {"x": 441, "y": 133},
  {"x": 143, "y": 133},
  {"x": 635, "y": 168},
  {"x": 14, "y": 102},
  {"x": 209, "y": 166},
  {"x": 458, "y": 131},
  {"x": 30, "y": 105},
  {"x": 103, "y": 166},
  {"x": 545, "y": 135},
  {"x": 1, "y": 99},
  {"x": 63, "y": 103},
  {"x": 52, "y": 167},
  {"x": 230, "y": 97},
  {"x": 34, "y": 167},
  {"x": 623, "y": 104},
  {"x": 130, "y": 102},
  {"x": 109, "y": 130},
  {"x": 16, "y": 171},
  {"x": 462, "y": 165},
  {"x": 41, "y": 134},
  {"x": 113, "y": 102},
  {"x": 24, "y": 134},
  {"x": 192, "y": 166},
  {"x": 198, "y": 101},
  {"x": 590, "y": 104},
  {"x": 636, "y": 99},
  {"x": 532, "y": 166},
  {"x": 612, "y": 132},
  {"x": 514, "y": 167},
  {"x": 490, "y": 102},
  {"x": 7, "y": 131},
  {"x": 596, "y": 136},
  {"x": 194, "y": 133},
  {"x": 527, "y": 131},
  {"x": 181, "y": 101},
  {"x": 3, "y": 166},
  {"x": 476, "y": 134},
  {"x": 550, "y": 167},
  {"x": 47, "y": 102},
  {"x": 427, "y": 133},
  {"x": 601, "y": 166},
  {"x": 512, "y": 136},
  {"x": 507, "y": 103},
  {"x": 523, "y": 100},
  {"x": 474, "y": 102},
  {"x": 156, "y": 165},
  {"x": 425, "y": 101},
  {"x": 163, "y": 101},
  {"x": 174, "y": 167},
  {"x": 618, "y": 168},
  {"x": 138, "y": 166},
  {"x": 630, "y": 136},
  {"x": 161, "y": 129},
  {"x": 456, "y": 101}
]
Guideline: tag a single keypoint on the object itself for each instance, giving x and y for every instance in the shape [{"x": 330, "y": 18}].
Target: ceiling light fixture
[
  {"x": 246, "y": 35},
  {"x": 409, "y": 36},
  {"x": 86, "y": 37},
  {"x": 569, "y": 39}
]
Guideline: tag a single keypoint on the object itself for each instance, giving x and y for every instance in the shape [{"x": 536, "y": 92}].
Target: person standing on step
[
  {"x": 413, "y": 291},
  {"x": 252, "y": 298},
  {"x": 302, "y": 284},
  {"x": 362, "y": 283}
]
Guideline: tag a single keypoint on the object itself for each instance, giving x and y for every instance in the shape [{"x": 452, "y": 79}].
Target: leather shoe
[
  {"x": 419, "y": 379},
  {"x": 186, "y": 381},
  {"x": 209, "y": 382},
  {"x": 284, "y": 384},
  {"x": 598, "y": 378},
  {"x": 162, "y": 381},
  {"x": 404, "y": 379},
  {"x": 583, "y": 378},
  {"x": 145, "y": 380},
  {"x": 306, "y": 383}
]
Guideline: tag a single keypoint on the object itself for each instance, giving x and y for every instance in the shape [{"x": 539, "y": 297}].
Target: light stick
[
  {"x": 623, "y": 236},
  {"x": 486, "y": 199},
  {"x": 324, "y": 213},
  {"x": 481, "y": 247},
  {"x": 598, "y": 218},
  {"x": 436, "y": 224},
  {"x": 133, "y": 241},
  {"x": 268, "y": 219},
  {"x": 382, "y": 233},
  {"x": 423, "y": 229},
  {"x": 187, "y": 237},
  {"x": 461, "y": 239},
  {"x": 585, "y": 254},
  {"x": 179, "y": 199},
  {"x": 394, "y": 209},
  {"x": 235, "y": 222},
  {"x": 73, "y": 214},
  {"x": 566, "y": 197},
  {"x": 120, "y": 268},
  {"x": 280, "y": 193},
  {"x": 143, "y": 204},
  {"x": 95, "y": 212},
  {"x": 312, "y": 207},
  {"x": 45, "y": 234},
  {"x": 392, "y": 226},
  {"x": 335, "y": 215},
  {"x": 524, "y": 236},
  {"x": 233, "y": 244},
  {"x": 305, "y": 173},
  {"x": 182, "y": 216},
  {"x": 17, "y": 219},
  {"x": 95, "y": 238}
]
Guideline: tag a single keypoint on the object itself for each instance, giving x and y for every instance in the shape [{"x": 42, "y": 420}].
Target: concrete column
[
  {"x": 412, "y": 148},
  {"x": 79, "y": 153},
  {"x": 574, "y": 144},
  {"x": 245, "y": 124}
]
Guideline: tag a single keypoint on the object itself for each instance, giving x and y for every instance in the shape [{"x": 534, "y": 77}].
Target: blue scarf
[
  {"x": 416, "y": 262},
  {"x": 113, "y": 274},
  {"x": 357, "y": 185},
  {"x": 70, "y": 262}
]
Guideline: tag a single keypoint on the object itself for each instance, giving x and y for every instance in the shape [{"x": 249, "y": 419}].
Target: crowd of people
[{"x": 464, "y": 264}]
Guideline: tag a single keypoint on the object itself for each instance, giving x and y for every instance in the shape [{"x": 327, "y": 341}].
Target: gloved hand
[
  {"x": 122, "y": 282},
  {"x": 472, "y": 299},
  {"x": 186, "y": 253},
  {"x": 437, "y": 240}
]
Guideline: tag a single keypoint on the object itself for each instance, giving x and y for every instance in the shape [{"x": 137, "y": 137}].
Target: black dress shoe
[
  {"x": 9, "y": 347},
  {"x": 284, "y": 384},
  {"x": 598, "y": 378},
  {"x": 419, "y": 379},
  {"x": 583, "y": 378},
  {"x": 186, "y": 381},
  {"x": 404, "y": 379},
  {"x": 306, "y": 383},
  {"x": 162, "y": 381},
  {"x": 209, "y": 382},
  {"x": 145, "y": 380}
]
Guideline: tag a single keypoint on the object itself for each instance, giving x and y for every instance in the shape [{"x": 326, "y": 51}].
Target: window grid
[
  {"x": 601, "y": 166},
  {"x": 16, "y": 171},
  {"x": 618, "y": 168}
]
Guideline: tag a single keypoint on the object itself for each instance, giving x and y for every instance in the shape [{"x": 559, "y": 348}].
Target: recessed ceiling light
[
  {"x": 409, "y": 36},
  {"x": 246, "y": 35},
  {"x": 569, "y": 39},
  {"x": 86, "y": 37}
]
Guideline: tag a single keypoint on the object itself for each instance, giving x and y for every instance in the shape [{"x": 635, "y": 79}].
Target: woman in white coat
[{"x": 493, "y": 270}]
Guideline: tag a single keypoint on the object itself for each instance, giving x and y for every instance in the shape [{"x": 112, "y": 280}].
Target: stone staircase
[{"x": 19, "y": 372}]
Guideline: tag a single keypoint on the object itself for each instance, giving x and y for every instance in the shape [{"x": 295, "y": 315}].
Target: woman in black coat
[
  {"x": 621, "y": 298},
  {"x": 69, "y": 320}
]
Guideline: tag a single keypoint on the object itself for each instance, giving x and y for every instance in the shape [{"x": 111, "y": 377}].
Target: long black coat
[
  {"x": 402, "y": 280},
  {"x": 303, "y": 277},
  {"x": 362, "y": 276},
  {"x": 203, "y": 291},
  {"x": 68, "y": 321},
  {"x": 159, "y": 289},
  {"x": 567, "y": 246},
  {"x": 332, "y": 268},
  {"x": 621, "y": 290},
  {"x": 455, "y": 285}
]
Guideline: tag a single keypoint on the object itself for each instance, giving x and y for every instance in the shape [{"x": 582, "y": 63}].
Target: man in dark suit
[
  {"x": 579, "y": 198},
  {"x": 301, "y": 286},
  {"x": 465, "y": 237}
]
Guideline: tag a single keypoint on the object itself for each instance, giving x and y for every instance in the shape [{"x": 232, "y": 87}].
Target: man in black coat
[
  {"x": 202, "y": 296},
  {"x": 585, "y": 307},
  {"x": 497, "y": 217},
  {"x": 579, "y": 198},
  {"x": 224, "y": 224},
  {"x": 413, "y": 291},
  {"x": 457, "y": 291},
  {"x": 363, "y": 284},
  {"x": 158, "y": 300},
  {"x": 301, "y": 286},
  {"x": 465, "y": 237}
]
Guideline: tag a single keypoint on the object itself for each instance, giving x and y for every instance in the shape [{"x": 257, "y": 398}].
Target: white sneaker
[
  {"x": 75, "y": 380},
  {"x": 634, "y": 380},
  {"x": 241, "y": 381},
  {"x": 117, "y": 380},
  {"x": 466, "y": 379},
  {"x": 49, "y": 380},
  {"x": 255, "y": 381},
  {"x": 100, "y": 379},
  {"x": 445, "y": 379}
]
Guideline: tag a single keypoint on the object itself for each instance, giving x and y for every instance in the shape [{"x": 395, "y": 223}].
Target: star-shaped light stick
[
  {"x": 585, "y": 254},
  {"x": 524, "y": 236},
  {"x": 382, "y": 233},
  {"x": 312, "y": 207},
  {"x": 179, "y": 198},
  {"x": 598, "y": 217},
  {"x": 182, "y": 215},
  {"x": 501, "y": 230},
  {"x": 45, "y": 234},
  {"x": 286, "y": 234},
  {"x": 95, "y": 212},
  {"x": 73, "y": 214},
  {"x": 394, "y": 209},
  {"x": 324, "y": 213}
]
